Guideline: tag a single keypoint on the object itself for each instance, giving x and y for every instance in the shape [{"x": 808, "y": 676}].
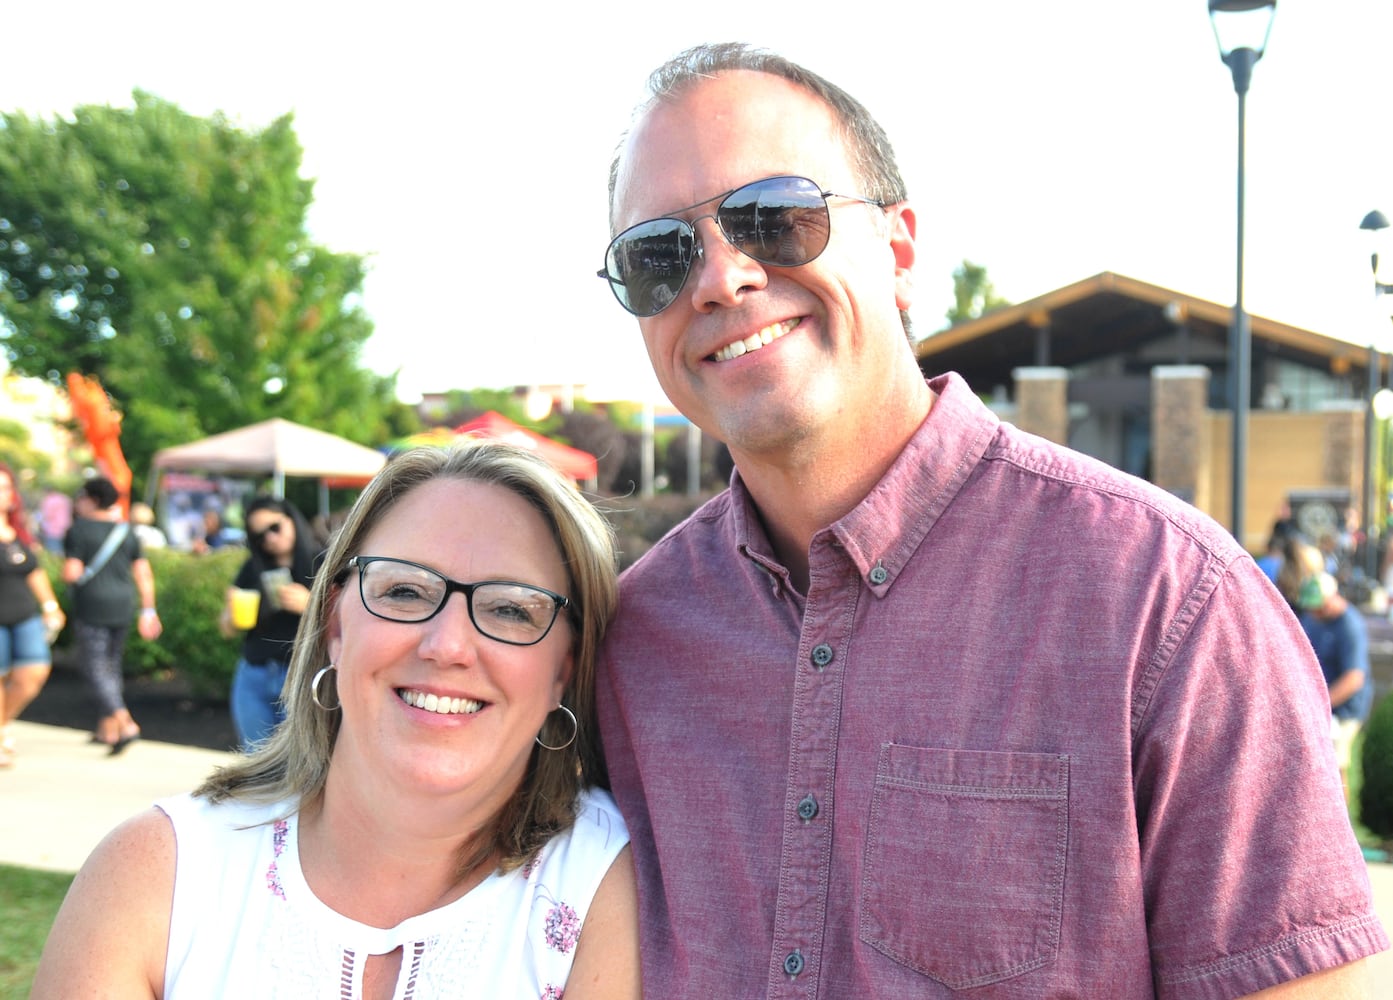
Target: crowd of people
[{"x": 920, "y": 706}]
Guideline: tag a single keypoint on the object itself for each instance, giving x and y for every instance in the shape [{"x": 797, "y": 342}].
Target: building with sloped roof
[{"x": 1137, "y": 375}]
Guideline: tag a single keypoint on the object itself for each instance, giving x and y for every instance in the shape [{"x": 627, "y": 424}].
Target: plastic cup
[
  {"x": 272, "y": 580},
  {"x": 245, "y": 605}
]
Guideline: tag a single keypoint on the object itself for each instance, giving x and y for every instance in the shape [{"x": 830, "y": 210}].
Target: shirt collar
[{"x": 883, "y": 531}]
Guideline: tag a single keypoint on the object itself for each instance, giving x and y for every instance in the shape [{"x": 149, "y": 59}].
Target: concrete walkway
[{"x": 64, "y": 794}]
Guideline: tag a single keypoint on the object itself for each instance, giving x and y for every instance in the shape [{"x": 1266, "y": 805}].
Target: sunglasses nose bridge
[{"x": 725, "y": 238}]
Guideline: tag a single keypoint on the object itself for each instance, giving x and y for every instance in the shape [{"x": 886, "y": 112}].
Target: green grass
[{"x": 29, "y": 899}]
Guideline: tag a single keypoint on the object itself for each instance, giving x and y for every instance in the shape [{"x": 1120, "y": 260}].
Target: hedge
[{"x": 1376, "y": 760}]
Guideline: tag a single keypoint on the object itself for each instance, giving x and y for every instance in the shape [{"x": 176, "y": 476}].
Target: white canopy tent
[{"x": 275, "y": 448}]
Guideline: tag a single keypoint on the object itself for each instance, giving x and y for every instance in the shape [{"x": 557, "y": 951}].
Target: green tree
[
  {"x": 973, "y": 293},
  {"x": 17, "y": 452},
  {"x": 168, "y": 255}
]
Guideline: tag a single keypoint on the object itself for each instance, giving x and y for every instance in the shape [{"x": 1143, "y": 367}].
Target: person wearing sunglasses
[
  {"x": 426, "y": 821},
  {"x": 278, "y": 573},
  {"x": 923, "y": 705}
]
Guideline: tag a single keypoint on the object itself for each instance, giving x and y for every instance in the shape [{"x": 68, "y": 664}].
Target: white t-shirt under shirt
[{"x": 245, "y": 923}]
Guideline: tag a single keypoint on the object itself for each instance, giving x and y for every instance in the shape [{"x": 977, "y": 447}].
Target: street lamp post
[
  {"x": 1374, "y": 223},
  {"x": 1241, "y": 28}
]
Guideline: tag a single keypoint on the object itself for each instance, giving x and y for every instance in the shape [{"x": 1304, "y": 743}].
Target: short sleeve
[{"x": 1252, "y": 873}]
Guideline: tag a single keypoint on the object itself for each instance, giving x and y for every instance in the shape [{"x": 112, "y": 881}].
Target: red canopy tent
[{"x": 579, "y": 465}]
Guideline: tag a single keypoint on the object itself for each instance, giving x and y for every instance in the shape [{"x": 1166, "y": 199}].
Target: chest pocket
[{"x": 964, "y": 862}]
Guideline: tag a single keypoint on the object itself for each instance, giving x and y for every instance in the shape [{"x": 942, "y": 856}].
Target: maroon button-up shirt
[{"x": 1037, "y": 729}]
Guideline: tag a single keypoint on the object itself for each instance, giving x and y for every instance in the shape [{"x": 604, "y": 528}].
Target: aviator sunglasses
[{"x": 780, "y": 221}]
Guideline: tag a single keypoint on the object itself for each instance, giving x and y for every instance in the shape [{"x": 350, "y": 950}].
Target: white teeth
[
  {"x": 438, "y": 705},
  {"x": 755, "y": 341}
]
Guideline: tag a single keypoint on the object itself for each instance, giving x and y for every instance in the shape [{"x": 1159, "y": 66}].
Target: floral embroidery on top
[
  {"x": 279, "y": 834},
  {"x": 533, "y": 863},
  {"x": 553, "y": 993},
  {"x": 563, "y": 928}
]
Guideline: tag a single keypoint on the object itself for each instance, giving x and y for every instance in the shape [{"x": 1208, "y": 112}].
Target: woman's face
[
  {"x": 271, "y": 531},
  {"x": 495, "y": 697}
]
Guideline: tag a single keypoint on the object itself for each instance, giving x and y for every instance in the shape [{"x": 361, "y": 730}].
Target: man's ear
[{"x": 902, "y": 228}]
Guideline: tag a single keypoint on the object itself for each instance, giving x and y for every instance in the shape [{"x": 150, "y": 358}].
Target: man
[
  {"x": 1340, "y": 639},
  {"x": 898, "y": 714}
]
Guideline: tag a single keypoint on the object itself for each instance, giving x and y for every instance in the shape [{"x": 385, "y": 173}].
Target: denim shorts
[{"x": 25, "y": 644}]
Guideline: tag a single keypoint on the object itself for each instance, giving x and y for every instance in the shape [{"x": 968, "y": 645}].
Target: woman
[
  {"x": 105, "y": 572},
  {"x": 29, "y": 614},
  {"x": 423, "y": 822},
  {"x": 280, "y": 568}
]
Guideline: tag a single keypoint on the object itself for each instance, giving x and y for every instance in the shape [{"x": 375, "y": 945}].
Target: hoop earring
[
  {"x": 314, "y": 690},
  {"x": 575, "y": 731}
]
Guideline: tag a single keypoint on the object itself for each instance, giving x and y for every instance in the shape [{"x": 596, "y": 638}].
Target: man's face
[{"x": 828, "y": 332}]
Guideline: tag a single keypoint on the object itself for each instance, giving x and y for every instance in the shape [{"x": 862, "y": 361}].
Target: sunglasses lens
[
  {"x": 647, "y": 265},
  {"x": 781, "y": 221}
]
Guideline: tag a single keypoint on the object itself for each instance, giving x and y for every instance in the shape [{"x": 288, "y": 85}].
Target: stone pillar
[
  {"x": 1343, "y": 444},
  {"x": 1179, "y": 445},
  {"x": 1042, "y": 402}
]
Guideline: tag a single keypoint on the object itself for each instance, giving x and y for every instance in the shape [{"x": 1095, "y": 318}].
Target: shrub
[
  {"x": 1376, "y": 762},
  {"x": 190, "y": 590}
]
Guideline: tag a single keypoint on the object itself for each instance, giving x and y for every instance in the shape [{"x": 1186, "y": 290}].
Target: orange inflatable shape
[{"x": 101, "y": 425}]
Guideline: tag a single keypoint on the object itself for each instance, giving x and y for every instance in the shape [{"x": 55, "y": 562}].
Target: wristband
[
  {"x": 50, "y": 606},
  {"x": 147, "y": 611}
]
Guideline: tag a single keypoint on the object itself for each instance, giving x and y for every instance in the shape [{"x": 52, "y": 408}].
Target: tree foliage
[
  {"x": 18, "y": 453},
  {"x": 168, "y": 255},
  {"x": 973, "y": 294}
]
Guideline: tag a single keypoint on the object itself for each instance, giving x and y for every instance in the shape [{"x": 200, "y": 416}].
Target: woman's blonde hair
[{"x": 294, "y": 762}]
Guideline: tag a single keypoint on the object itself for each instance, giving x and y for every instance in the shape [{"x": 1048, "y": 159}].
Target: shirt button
[
  {"x": 879, "y": 575},
  {"x": 822, "y": 655},
  {"x": 807, "y": 808},
  {"x": 793, "y": 962}
]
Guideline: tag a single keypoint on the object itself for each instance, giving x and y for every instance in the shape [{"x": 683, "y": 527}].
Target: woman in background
[
  {"x": 29, "y": 614},
  {"x": 280, "y": 568}
]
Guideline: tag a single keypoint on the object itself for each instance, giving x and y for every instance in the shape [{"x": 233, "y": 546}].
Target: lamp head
[
  {"x": 1374, "y": 224},
  {"x": 1241, "y": 28}
]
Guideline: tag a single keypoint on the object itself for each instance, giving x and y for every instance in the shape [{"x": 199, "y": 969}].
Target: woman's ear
[{"x": 333, "y": 626}]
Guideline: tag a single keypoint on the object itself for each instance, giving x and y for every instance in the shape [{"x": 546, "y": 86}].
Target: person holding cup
[{"x": 265, "y": 602}]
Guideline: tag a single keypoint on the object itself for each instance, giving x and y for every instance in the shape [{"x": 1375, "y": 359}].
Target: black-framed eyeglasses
[
  {"x": 780, "y": 221},
  {"x": 401, "y": 591}
]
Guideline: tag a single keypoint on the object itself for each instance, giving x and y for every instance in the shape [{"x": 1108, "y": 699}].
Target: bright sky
[{"x": 467, "y": 152}]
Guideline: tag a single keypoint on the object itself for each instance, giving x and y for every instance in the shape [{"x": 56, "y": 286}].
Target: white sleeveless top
[{"x": 245, "y": 924}]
